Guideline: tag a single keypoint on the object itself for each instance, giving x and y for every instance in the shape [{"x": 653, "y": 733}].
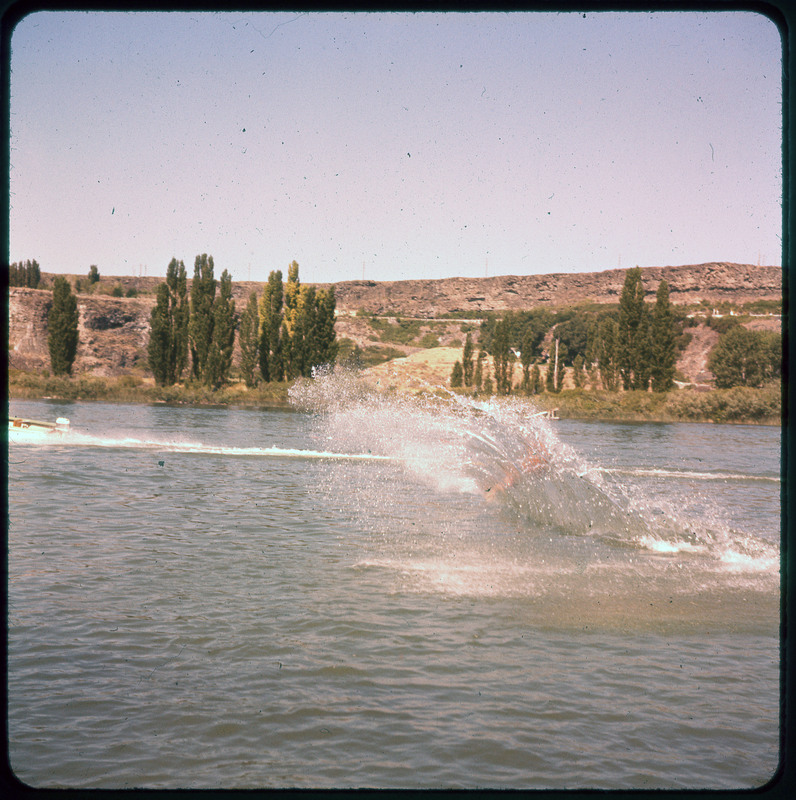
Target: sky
[{"x": 392, "y": 146}]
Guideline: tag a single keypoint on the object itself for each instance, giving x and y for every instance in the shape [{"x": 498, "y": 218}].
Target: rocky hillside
[
  {"x": 715, "y": 282},
  {"x": 114, "y": 331}
]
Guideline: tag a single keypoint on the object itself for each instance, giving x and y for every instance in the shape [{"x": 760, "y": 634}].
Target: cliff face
[
  {"x": 739, "y": 283},
  {"x": 114, "y": 332}
]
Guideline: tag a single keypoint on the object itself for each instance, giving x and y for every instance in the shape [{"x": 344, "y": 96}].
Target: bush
[
  {"x": 402, "y": 332},
  {"x": 739, "y": 404},
  {"x": 723, "y": 324}
]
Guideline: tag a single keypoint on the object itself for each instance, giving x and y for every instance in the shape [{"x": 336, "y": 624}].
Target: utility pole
[{"x": 555, "y": 370}]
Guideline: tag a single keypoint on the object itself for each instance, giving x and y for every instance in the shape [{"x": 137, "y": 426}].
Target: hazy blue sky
[{"x": 394, "y": 145}]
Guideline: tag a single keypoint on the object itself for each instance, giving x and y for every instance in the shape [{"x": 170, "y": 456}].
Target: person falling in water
[{"x": 536, "y": 461}]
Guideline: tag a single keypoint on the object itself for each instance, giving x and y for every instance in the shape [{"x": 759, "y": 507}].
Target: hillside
[
  {"x": 114, "y": 331},
  {"x": 713, "y": 283}
]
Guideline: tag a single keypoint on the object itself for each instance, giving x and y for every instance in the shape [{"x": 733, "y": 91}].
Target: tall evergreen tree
[
  {"x": 457, "y": 375},
  {"x": 325, "y": 337},
  {"x": 62, "y": 338},
  {"x": 293, "y": 343},
  {"x": 177, "y": 281},
  {"x": 249, "y": 337},
  {"x": 292, "y": 290},
  {"x": 160, "y": 347},
  {"x": 467, "y": 361},
  {"x": 663, "y": 346},
  {"x": 219, "y": 356},
  {"x": 271, "y": 361},
  {"x": 501, "y": 353},
  {"x": 200, "y": 327},
  {"x": 302, "y": 338},
  {"x": 642, "y": 372},
  {"x": 632, "y": 333},
  {"x": 478, "y": 375}
]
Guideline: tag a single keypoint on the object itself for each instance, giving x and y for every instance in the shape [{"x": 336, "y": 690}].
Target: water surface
[{"x": 368, "y": 592}]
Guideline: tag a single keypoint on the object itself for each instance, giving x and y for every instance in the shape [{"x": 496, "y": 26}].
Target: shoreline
[{"x": 738, "y": 406}]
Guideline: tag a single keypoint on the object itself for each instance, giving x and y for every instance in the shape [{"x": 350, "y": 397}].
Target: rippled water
[{"x": 367, "y": 592}]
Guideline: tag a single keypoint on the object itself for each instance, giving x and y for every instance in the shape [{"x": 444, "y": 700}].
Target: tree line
[
  {"x": 632, "y": 346},
  {"x": 282, "y": 335},
  {"x": 24, "y": 273}
]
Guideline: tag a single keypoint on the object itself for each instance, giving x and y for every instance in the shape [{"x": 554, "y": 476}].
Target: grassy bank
[
  {"x": 739, "y": 405},
  {"x": 133, "y": 389}
]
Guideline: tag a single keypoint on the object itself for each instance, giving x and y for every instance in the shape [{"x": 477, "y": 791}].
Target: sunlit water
[{"x": 383, "y": 593}]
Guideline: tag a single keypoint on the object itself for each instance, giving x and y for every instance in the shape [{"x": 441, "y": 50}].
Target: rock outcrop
[
  {"x": 715, "y": 282},
  {"x": 113, "y": 332}
]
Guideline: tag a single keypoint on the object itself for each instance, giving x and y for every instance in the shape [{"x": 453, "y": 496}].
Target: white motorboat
[{"x": 22, "y": 429}]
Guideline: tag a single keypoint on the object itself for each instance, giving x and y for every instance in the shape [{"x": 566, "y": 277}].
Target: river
[{"x": 371, "y": 592}]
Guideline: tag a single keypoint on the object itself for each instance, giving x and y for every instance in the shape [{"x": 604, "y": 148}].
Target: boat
[{"x": 19, "y": 427}]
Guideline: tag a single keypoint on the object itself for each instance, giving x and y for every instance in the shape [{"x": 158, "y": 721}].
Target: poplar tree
[
  {"x": 325, "y": 337},
  {"x": 501, "y": 353},
  {"x": 248, "y": 337},
  {"x": 219, "y": 354},
  {"x": 200, "y": 328},
  {"x": 63, "y": 336},
  {"x": 293, "y": 344},
  {"x": 632, "y": 331},
  {"x": 292, "y": 291},
  {"x": 457, "y": 375},
  {"x": 478, "y": 375},
  {"x": 467, "y": 361},
  {"x": 271, "y": 361},
  {"x": 302, "y": 338},
  {"x": 180, "y": 310},
  {"x": 664, "y": 354},
  {"x": 24, "y": 273},
  {"x": 160, "y": 344}
]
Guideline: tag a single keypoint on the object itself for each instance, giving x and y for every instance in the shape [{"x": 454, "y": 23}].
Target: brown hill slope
[{"x": 714, "y": 282}]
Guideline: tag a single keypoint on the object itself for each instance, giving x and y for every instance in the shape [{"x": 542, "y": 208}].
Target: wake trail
[
  {"x": 685, "y": 474},
  {"x": 76, "y": 439}
]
